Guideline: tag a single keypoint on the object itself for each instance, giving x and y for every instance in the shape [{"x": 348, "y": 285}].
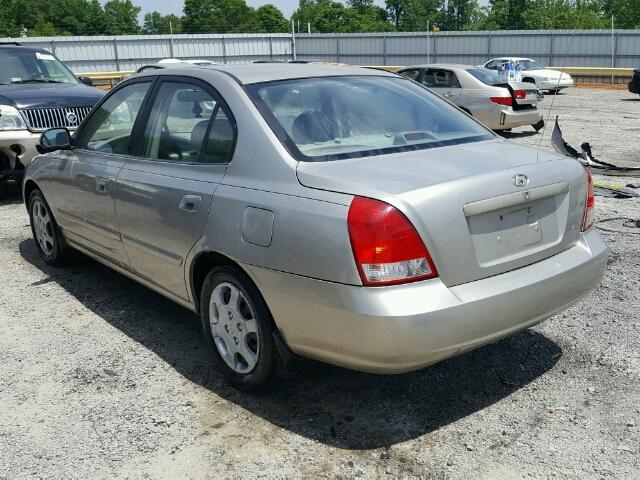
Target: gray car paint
[{"x": 307, "y": 273}]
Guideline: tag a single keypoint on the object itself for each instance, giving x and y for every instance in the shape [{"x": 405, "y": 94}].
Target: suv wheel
[
  {"x": 51, "y": 245},
  {"x": 238, "y": 328}
]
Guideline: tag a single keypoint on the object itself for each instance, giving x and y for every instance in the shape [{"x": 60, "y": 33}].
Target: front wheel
[
  {"x": 238, "y": 328},
  {"x": 51, "y": 245}
]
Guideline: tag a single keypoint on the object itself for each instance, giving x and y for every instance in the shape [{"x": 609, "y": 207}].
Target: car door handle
[
  {"x": 190, "y": 203},
  {"x": 102, "y": 184},
  {"x": 449, "y": 94}
]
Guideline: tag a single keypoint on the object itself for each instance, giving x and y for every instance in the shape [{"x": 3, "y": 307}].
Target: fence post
[
  {"x": 293, "y": 39},
  {"x": 270, "y": 47},
  {"x": 224, "y": 50},
  {"x": 384, "y": 48},
  {"x": 171, "y": 51},
  {"x": 115, "y": 53},
  {"x": 53, "y": 46},
  {"x": 435, "y": 49},
  {"x": 489, "y": 35},
  {"x": 551, "y": 49},
  {"x": 337, "y": 49}
]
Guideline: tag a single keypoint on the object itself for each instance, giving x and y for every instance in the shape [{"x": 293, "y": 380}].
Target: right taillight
[
  {"x": 508, "y": 101},
  {"x": 386, "y": 246},
  {"x": 590, "y": 203}
]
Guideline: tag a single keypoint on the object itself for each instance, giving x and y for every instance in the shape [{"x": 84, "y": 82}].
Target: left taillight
[
  {"x": 590, "y": 203},
  {"x": 520, "y": 94},
  {"x": 386, "y": 246},
  {"x": 508, "y": 101}
]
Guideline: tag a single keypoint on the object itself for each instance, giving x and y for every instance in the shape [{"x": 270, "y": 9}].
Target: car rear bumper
[
  {"x": 402, "y": 328},
  {"x": 554, "y": 84},
  {"x": 19, "y": 147},
  {"x": 505, "y": 118}
]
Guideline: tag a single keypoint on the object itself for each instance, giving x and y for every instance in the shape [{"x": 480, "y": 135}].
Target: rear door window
[
  {"x": 440, "y": 78},
  {"x": 188, "y": 124}
]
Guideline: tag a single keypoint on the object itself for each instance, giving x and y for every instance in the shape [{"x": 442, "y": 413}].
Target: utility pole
[
  {"x": 293, "y": 38},
  {"x": 428, "y": 43}
]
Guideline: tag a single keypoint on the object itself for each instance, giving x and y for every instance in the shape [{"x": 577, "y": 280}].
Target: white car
[{"x": 535, "y": 72}]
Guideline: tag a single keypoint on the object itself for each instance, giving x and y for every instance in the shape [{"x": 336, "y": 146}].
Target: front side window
[
  {"x": 331, "y": 118},
  {"x": 187, "y": 124},
  {"x": 24, "y": 66},
  {"x": 109, "y": 128}
]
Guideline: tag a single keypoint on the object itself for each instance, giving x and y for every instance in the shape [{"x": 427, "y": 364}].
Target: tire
[
  {"x": 240, "y": 334},
  {"x": 46, "y": 233},
  {"x": 538, "y": 126}
]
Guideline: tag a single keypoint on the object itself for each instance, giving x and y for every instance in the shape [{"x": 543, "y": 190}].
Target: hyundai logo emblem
[
  {"x": 72, "y": 118},
  {"x": 520, "y": 180}
]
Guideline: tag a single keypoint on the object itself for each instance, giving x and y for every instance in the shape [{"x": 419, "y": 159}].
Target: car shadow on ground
[
  {"x": 527, "y": 133},
  {"x": 630, "y": 99},
  {"x": 10, "y": 193},
  {"x": 327, "y": 404}
]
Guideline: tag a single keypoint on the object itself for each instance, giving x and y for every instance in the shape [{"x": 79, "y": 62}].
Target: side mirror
[
  {"x": 86, "y": 81},
  {"x": 54, "y": 139}
]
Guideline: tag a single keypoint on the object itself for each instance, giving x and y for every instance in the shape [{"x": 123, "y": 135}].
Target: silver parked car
[
  {"x": 342, "y": 214},
  {"x": 483, "y": 94}
]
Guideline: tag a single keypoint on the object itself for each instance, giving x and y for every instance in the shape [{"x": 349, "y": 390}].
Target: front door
[
  {"x": 84, "y": 191},
  {"x": 164, "y": 192}
]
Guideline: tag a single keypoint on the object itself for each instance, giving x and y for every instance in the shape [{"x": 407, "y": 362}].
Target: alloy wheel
[
  {"x": 43, "y": 227},
  {"x": 234, "y": 328}
]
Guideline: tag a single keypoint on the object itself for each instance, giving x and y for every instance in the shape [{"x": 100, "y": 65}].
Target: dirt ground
[{"x": 100, "y": 377}]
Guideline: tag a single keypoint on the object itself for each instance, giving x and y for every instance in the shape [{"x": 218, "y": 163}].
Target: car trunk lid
[{"x": 480, "y": 211}]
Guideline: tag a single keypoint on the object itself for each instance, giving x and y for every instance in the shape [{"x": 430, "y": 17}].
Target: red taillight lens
[
  {"x": 508, "y": 101},
  {"x": 386, "y": 246},
  {"x": 589, "y": 214},
  {"x": 520, "y": 94}
]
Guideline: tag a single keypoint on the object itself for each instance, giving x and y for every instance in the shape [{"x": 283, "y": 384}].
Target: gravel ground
[{"x": 100, "y": 377}]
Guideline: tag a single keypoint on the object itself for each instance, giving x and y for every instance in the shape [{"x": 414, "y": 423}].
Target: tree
[
  {"x": 413, "y": 15},
  {"x": 270, "y": 19},
  {"x": 157, "y": 24},
  {"x": 121, "y": 17},
  {"x": 218, "y": 16},
  {"x": 361, "y": 6}
]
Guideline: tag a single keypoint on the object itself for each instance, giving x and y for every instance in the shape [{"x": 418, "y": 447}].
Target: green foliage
[
  {"x": 271, "y": 20},
  {"x": 115, "y": 17},
  {"x": 157, "y": 24}
]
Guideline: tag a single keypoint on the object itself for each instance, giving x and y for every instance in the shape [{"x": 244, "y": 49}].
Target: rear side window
[
  {"x": 412, "y": 74},
  {"x": 187, "y": 124},
  {"x": 438, "y": 78}
]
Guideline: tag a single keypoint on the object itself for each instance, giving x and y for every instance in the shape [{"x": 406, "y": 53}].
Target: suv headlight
[{"x": 10, "y": 118}]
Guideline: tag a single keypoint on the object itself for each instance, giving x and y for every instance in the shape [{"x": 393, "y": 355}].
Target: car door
[
  {"x": 164, "y": 192},
  {"x": 84, "y": 187},
  {"x": 444, "y": 82}
]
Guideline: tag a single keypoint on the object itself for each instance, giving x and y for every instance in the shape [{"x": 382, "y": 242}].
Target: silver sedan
[
  {"x": 483, "y": 94},
  {"x": 337, "y": 213}
]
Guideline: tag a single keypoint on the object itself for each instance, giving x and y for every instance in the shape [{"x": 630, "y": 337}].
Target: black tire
[
  {"x": 55, "y": 250},
  {"x": 538, "y": 126},
  {"x": 264, "y": 370}
]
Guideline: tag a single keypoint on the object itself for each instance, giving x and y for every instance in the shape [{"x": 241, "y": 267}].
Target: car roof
[
  {"x": 267, "y": 72},
  {"x": 7, "y": 47}
]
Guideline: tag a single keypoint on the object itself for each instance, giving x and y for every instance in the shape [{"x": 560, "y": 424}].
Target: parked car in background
[
  {"x": 534, "y": 72},
  {"x": 482, "y": 94},
  {"x": 634, "y": 84},
  {"x": 339, "y": 213},
  {"x": 37, "y": 92},
  {"x": 192, "y": 61}
]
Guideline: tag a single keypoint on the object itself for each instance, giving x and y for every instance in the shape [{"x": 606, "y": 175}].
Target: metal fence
[{"x": 588, "y": 48}]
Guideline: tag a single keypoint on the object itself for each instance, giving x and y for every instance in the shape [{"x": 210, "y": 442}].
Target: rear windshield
[
  {"x": 490, "y": 77},
  {"x": 332, "y": 118}
]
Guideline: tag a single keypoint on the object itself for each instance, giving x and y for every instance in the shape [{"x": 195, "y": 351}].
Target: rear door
[
  {"x": 444, "y": 82},
  {"x": 84, "y": 186},
  {"x": 164, "y": 192}
]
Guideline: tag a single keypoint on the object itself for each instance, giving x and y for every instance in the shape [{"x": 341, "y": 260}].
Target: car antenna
[{"x": 555, "y": 90}]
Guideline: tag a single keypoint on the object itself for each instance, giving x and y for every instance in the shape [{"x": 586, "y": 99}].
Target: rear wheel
[
  {"x": 238, "y": 328},
  {"x": 49, "y": 241}
]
